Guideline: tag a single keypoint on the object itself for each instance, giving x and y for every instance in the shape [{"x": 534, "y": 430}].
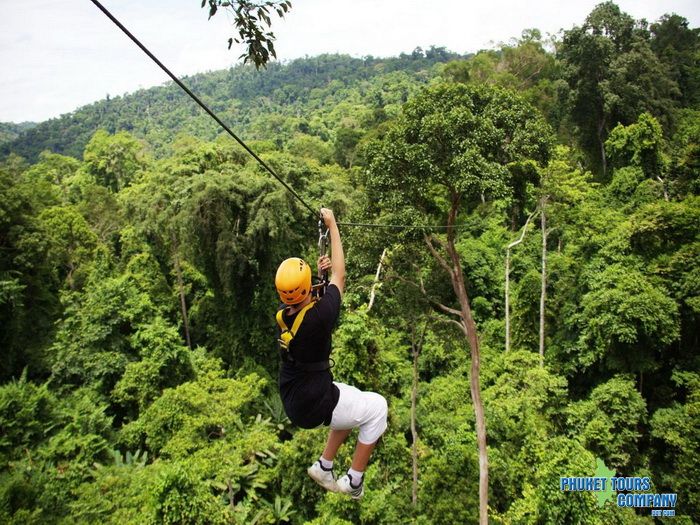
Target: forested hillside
[
  {"x": 305, "y": 92},
  {"x": 138, "y": 249},
  {"x": 10, "y": 131}
]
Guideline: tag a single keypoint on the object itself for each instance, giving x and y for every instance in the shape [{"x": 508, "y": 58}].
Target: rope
[
  {"x": 201, "y": 104},
  {"x": 400, "y": 226}
]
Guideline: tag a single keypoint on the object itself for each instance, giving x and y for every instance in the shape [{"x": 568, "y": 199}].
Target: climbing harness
[{"x": 287, "y": 336}]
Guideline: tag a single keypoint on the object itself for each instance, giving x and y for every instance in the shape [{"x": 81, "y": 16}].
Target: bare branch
[
  {"x": 459, "y": 324},
  {"x": 507, "y": 277},
  {"x": 435, "y": 302},
  {"x": 376, "y": 281},
  {"x": 452, "y": 217},
  {"x": 438, "y": 257},
  {"x": 522, "y": 234},
  {"x": 446, "y": 309}
]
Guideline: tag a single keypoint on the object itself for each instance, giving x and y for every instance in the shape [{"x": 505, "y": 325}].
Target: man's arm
[{"x": 338, "y": 258}]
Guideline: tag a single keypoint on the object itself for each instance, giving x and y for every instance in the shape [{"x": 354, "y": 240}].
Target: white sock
[
  {"x": 356, "y": 477},
  {"x": 326, "y": 464}
]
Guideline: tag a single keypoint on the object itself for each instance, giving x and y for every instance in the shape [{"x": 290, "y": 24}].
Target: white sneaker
[
  {"x": 346, "y": 487},
  {"x": 323, "y": 477}
]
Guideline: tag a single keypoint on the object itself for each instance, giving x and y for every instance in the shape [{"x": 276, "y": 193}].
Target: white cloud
[{"x": 56, "y": 55}]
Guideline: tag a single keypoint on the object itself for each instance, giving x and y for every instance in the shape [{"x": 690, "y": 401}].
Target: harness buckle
[{"x": 285, "y": 338}]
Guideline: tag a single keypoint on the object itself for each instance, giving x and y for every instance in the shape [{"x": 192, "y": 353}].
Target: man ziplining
[{"x": 308, "y": 392}]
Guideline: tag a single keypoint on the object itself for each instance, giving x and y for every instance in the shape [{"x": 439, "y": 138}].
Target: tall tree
[
  {"x": 640, "y": 145},
  {"x": 28, "y": 288},
  {"x": 613, "y": 75},
  {"x": 543, "y": 287},
  {"x": 678, "y": 46},
  {"x": 114, "y": 160},
  {"x": 507, "y": 277},
  {"x": 452, "y": 145}
]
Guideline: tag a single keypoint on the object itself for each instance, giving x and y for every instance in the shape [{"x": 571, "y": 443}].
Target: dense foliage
[
  {"x": 253, "y": 25},
  {"x": 138, "y": 249}
]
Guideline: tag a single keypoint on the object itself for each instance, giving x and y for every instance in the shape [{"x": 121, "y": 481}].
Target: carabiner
[{"x": 322, "y": 248}]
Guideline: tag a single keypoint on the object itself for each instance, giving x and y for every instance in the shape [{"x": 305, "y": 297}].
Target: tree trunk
[
  {"x": 507, "y": 299},
  {"x": 603, "y": 159},
  {"x": 372, "y": 293},
  {"x": 229, "y": 486},
  {"x": 507, "y": 284},
  {"x": 663, "y": 187},
  {"x": 69, "y": 277},
  {"x": 181, "y": 290},
  {"x": 416, "y": 348},
  {"x": 469, "y": 329},
  {"x": 543, "y": 292}
]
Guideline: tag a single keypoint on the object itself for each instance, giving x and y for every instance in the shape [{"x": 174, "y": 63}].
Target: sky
[{"x": 57, "y": 55}]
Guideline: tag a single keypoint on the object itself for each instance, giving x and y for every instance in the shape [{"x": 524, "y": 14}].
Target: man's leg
[
  {"x": 352, "y": 482},
  {"x": 335, "y": 439},
  {"x": 322, "y": 470},
  {"x": 371, "y": 431},
  {"x": 361, "y": 456}
]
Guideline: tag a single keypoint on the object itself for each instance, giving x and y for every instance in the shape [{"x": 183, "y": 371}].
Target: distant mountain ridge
[
  {"x": 9, "y": 131},
  {"x": 244, "y": 98}
]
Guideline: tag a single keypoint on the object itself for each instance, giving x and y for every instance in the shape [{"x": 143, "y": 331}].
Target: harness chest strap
[{"x": 288, "y": 334}]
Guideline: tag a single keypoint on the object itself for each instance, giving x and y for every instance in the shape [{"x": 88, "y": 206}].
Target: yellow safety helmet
[{"x": 293, "y": 280}]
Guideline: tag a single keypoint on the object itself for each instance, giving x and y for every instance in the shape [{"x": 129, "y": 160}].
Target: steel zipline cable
[
  {"x": 401, "y": 226},
  {"x": 201, "y": 104},
  {"x": 237, "y": 139}
]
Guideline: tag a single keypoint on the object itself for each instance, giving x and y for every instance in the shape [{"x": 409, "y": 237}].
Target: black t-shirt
[{"x": 309, "y": 398}]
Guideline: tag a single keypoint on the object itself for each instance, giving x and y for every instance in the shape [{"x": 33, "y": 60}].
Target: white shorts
[{"x": 367, "y": 410}]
